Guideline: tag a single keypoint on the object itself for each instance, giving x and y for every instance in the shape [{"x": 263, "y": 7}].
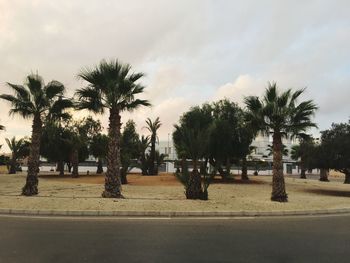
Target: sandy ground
[{"x": 165, "y": 193}]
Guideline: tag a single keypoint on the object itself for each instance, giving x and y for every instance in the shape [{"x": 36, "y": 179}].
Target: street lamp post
[{"x": 167, "y": 163}]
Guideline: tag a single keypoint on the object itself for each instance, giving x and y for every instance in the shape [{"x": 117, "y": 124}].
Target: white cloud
[{"x": 244, "y": 85}]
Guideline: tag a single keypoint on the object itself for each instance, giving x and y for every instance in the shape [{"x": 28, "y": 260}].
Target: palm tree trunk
[
  {"x": 112, "y": 179},
  {"x": 324, "y": 175},
  {"x": 123, "y": 174},
  {"x": 13, "y": 165},
  {"x": 144, "y": 165},
  {"x": 31, "y": 186},
  {"x": 60, "y": 167},
  {"x": 194, "y": 189},
  {"x": 228, "y": 168},
  {"x": 152, "y": 157},
  {"x": 244, "y": 175},
  {"x": 303, "y": 170},
  {"x": 347, "y": 176},
  {"x": 278, "y": 185},
  {"x": 75, "y": 163},
  {"x": 99, "y": 166}
]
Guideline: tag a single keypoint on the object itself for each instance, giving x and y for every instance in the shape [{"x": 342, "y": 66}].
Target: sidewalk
[{"x": 72, "y": 198}]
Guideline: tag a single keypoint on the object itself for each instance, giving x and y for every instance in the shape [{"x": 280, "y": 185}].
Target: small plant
[{"x": 184, "y": 177}]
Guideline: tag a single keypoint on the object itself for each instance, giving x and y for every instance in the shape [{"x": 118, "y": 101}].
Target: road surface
[{"x": 280, "y": 239}]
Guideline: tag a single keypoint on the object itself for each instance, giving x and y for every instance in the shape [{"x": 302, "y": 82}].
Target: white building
[{"x": 261, "y": 152}]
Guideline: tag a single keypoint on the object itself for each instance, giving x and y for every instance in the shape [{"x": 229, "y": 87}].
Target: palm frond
[
  {"x": 20, "y": 91},
  {"x": 90, "y": 98},
  {"x": 35, "y": 84},
  {"x": 54, "y": 89}
]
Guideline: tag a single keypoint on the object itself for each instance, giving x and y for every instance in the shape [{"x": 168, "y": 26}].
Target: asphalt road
[{"x": 298, "y": 239}]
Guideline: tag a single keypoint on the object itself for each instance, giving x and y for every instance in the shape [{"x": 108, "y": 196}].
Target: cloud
[
  {"x": 243, "y": 86},
  {"x": 191, "y": 51}
]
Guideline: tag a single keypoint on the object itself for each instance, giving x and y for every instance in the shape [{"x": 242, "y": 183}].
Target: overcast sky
[{"x": 191, "y": 51}]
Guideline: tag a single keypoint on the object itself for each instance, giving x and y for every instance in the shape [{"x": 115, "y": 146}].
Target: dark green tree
[
  {"x": 336, "y": 142},
  {"x": 191, "y": 138},
  {"x": 81, "y": 135},
  {"x": 143, "y": 157},
  {"x": 302, "y": 153},
  {"x": 98, "y": 149},
  {"x": 129, "y": 148}
]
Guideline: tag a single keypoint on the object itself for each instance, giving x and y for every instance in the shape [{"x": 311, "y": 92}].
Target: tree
[
  {"x": 19, "y": 149},
  {"x": 55, "y": 143},
  {"x": 191, "y": 139},
  {"x": 129, "y": 148},
  {"x": 302, "y": 152},
  {"x": 285, "y": 151},
  {"x": 1, "y": 129},
  {"x": 37, "y": 101},
  {"x": 279, "y": 114},
  {"x": 112, "y": 87},
  {"x": 159, "y": 159},
  {"x": 224, "y": 139},
  {"x": 336, "y": 144},
  {"x": 153, "y": 127},
  {"x": 98, "y": 149},
  {"x": 143, "y": 157}
]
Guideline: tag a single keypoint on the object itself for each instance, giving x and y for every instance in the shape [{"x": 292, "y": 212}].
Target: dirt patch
[
  {"x": 163, "y": 179},
  {"x": 165, "y": 193}
]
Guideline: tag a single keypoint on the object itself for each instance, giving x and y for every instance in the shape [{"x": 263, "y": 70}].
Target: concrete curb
[{"x": 171, "y": 214}]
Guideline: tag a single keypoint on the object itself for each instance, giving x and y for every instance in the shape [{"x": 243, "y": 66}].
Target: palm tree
[
  {"x": 280, "y": 115},
  {"x": 37, "y": 101},
  {"x": 193, "y": 143},
  {"x": 153, "y": 127},
  {"x": 143, "y": 146},
  {"x": 285, "y": 150},
  {"x": 111, "y": 87},
  {"x": 19, "y": 149},
  {"x": 1, "y": 129}
]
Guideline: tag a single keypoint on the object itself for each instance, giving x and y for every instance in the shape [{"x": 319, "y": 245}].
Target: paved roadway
[{"x": 298, "y": 239}]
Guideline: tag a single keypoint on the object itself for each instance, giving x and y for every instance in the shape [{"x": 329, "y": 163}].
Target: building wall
[{"x": 261, "y": 152}]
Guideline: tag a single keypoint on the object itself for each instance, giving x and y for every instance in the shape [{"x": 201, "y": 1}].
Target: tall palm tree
[
  {"x": 19, "y": 149},
  {"x": 279, "y": 114},
  {"x": 153, "y": 127},
  {"x": 36, "y": 100},
  {"x": 113, "y": 87}
]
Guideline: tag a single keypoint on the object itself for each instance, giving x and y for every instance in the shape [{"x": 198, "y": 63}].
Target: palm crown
[
  {"x": 152, "y": 127},
  {"x": 280, "y": 112},
  {"x": 111, "y": 85},
  {"x": 36, "y": 98},
  {"x": 19, "y": 147}
]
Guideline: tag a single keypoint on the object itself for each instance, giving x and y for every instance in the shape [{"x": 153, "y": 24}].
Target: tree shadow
[
  {"x": 219, "y": 180},
  {"x": 328, "y": 192}
]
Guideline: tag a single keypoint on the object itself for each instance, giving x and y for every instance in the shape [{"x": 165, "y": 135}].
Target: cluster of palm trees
[
  {"x": 214, "y": 133},
  {"x": 111, "y": 86},
  {"x": 221, "y": 133}
]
